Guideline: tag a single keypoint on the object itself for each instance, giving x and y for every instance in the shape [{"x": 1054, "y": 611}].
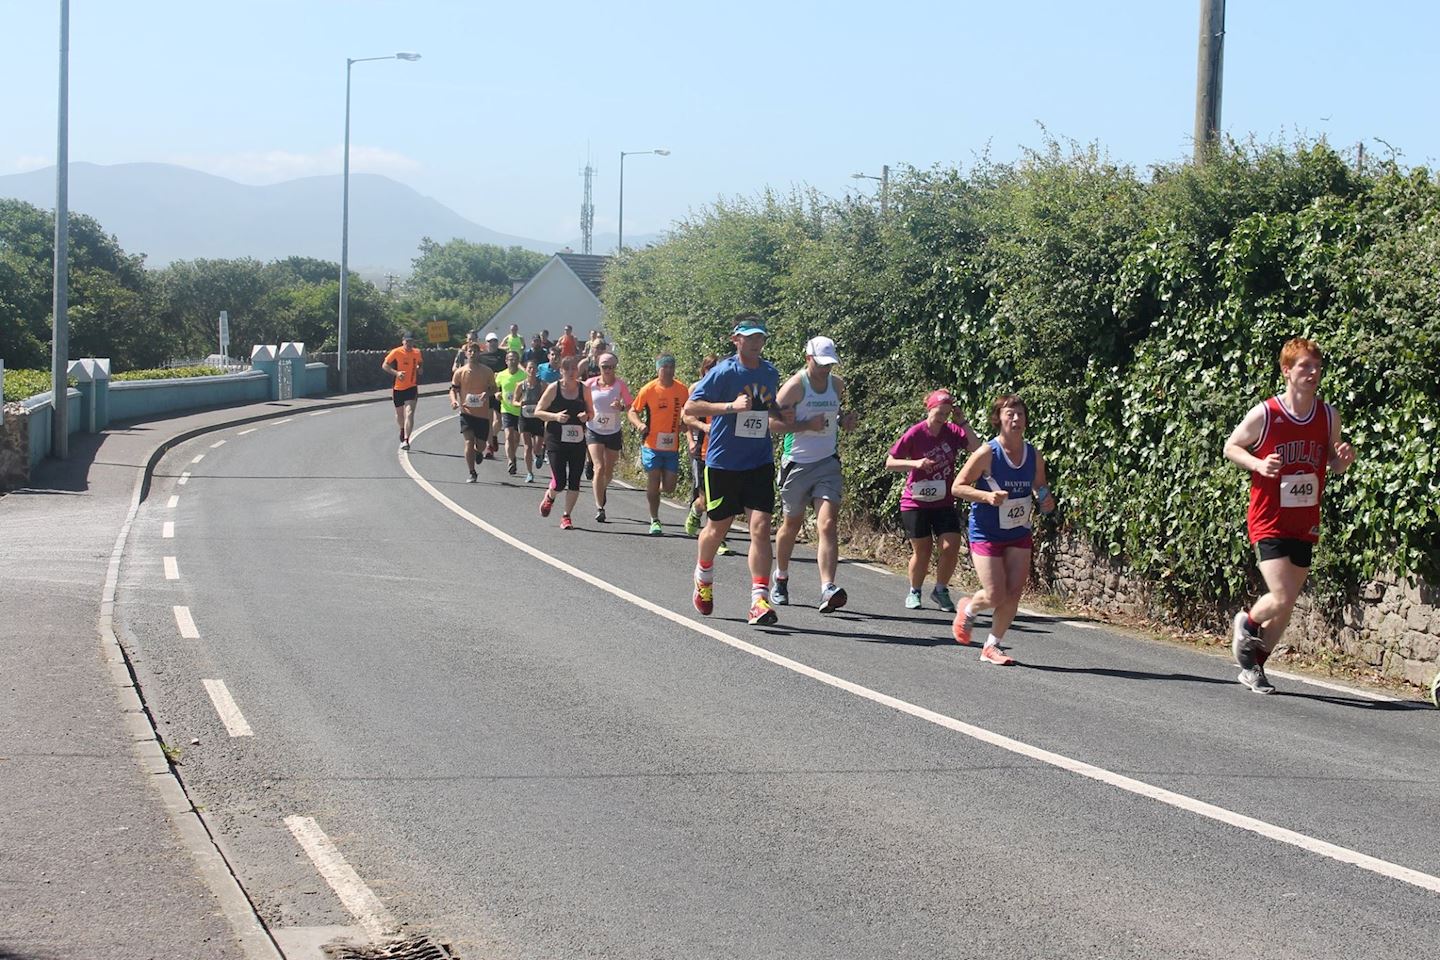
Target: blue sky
[{"x": 496, "y": 119}]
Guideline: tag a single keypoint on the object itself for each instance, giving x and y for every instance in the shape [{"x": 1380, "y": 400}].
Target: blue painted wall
[
  {"x": 316, "y": 379},
  {"x": 138, "y": 399},
  {"x": 41, "y": 414}
]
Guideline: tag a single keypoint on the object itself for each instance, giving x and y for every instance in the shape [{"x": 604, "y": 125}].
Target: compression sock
[
  {"x": 760, "y": 589},
  {"x": 705, "y": 572}
]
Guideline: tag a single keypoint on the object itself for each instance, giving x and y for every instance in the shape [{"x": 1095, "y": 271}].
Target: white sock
[
  {"x": 781, "y": 573},
  {"x": 992, "y": 641}
]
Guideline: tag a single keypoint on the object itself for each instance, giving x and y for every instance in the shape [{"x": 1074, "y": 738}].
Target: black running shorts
[
  {"x": 931, "y": 522},
  {"x": 475, "y": 428},
  {"x": 729, "y": 493},
  {"x": 1298, "y": 552},
  {"x": 403, "y": 397}
]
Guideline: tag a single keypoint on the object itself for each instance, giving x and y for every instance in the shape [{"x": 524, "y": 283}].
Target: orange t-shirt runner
[
  {"x": 664, "y": 404},
  {"x": 407, "y": 362},
  {"x": 567, "y": 345}
]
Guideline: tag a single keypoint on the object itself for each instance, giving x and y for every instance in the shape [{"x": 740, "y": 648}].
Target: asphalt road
[{"x": 528, "y": 765}]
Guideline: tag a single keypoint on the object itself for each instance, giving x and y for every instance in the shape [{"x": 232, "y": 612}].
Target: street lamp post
[
  {"x": 342, "y": 363},
  {"x": 620, "y": 241},
  {"x": 884, "y": 179},
  {"x": 60, "y": 336}
]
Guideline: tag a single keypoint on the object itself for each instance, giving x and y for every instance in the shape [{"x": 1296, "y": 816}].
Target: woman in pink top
[
  {"x": 611, "y": 396},
  {"x": 927, "y": 453}
]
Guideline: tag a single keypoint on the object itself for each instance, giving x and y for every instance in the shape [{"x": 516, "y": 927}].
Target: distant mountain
[{"x": 174, "y": 213}]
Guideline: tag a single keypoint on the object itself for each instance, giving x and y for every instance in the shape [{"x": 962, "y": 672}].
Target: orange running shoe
[
  {"x": 546, "y": 502},
  {"x": 704, "y": 598},
  {"x": 993, "y": 654},
  {"x": 964, "y": 620},
  {"x": 566, "y": 523}
]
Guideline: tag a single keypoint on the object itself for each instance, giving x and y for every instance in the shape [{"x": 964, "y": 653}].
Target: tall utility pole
[
  {"x": 587, "y": 212},
  {"x": 1209, "y": 77},
  {"x": 60, "y": 342}
]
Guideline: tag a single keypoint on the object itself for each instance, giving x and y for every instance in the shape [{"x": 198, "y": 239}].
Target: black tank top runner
[
  {"x": 575, "y": 407},
  {"x": 532, "y": 394}
]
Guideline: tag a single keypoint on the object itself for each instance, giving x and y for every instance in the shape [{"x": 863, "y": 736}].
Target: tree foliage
[{"x": 1140, "y": 316}]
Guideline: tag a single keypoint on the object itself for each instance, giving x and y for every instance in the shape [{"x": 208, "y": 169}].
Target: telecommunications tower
[{"x": 587, "y": 212}]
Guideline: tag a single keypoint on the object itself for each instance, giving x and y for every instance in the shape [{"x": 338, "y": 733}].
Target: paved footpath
[{"x": 101, "y": 853}]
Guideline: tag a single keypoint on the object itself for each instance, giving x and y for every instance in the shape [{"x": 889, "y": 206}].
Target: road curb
[{"x": 207, "y": 850}]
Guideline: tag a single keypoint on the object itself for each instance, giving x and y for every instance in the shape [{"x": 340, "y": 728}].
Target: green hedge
[
  {"x": 21, "y": 384},
  {"x": 1139, "y": 315}
]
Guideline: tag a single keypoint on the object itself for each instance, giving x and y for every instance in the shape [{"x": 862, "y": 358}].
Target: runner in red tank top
[{"x": 1288, "y": 443}]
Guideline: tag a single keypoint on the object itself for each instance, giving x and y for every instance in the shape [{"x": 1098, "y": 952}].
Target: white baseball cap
[{"x": 822, "y": 349}]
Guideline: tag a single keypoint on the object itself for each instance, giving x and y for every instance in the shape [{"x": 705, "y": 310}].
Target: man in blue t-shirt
[{"x": 738, "y": 397}]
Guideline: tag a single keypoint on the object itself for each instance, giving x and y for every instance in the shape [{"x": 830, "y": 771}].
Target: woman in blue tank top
[{"x": 1002, "y": 480}]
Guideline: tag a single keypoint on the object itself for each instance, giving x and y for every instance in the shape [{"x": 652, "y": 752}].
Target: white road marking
[
  {"x": 1339, "y": 688},
  {"x": 663, "y": 498},
  {"x": 244, "y": 432},
  {"x": 184, "y": 478},
  {"x": 217, "y": 443},
  {"x": 279, "y": 422},
  {"x": 225, "y": 706},
  {"x": 321, "y": 413},
  {"x": 168, "y": 530},
  {"x": 872, "y": 568},
  {"x": 352, "y": 891},
  {"x": 198, "y": 458},
  {"x": 1080, "y": 624},
  {"x": 173, "y": 502},
  {"x": 172, "y": 569},
  {"x": 1023, "y": 611},
  {"x": 186, "y": 623},
  {"x": 1179, "y": 801}
]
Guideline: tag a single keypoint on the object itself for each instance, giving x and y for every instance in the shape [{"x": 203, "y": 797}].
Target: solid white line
[
  {"x": 217, "y": 443},
  {"x": 172, "y": 569},
  {"x": 872, "y": 568},
  {"x": 173, "y": 502},
  {"x": 186, "y": 623},
  {"x": 663, "y": 498},
  {"x": 243, "y": 432},
  {"x": 352, "y": 891},
  {"x": 1031, "y": 613},
  {"x": 1337, "y": 687},
  {"x": 168, "y": 530},
  {"x": 1179, "y": 801},
  {"x": 1079, "y": 624},
  {"x": 184, "y": 478},
  {"x": 198, "y": 458},
  {"x": 225, "y": 706},
  {"x": 279, "y": 422}
]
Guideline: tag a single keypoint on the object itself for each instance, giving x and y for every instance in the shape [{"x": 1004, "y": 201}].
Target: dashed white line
[
  {"x": 167, "y": 530},
  {"x": 217, "y": 443},
  {"x": 198, "y": 458},
  {"x": 1179, "y": 801},
  {"x": 225, "y": 706},
  {"x": 186, "y": 623},
  {"x": 352, "y": 891},
  {"x": 184, "y": 478},
  {"x": 279, "y": 422},
  {"x": 244, "y": 432},
  {"x": 172, "y": 569},
  {"x": 321, "y": 413},
  {"x": 173, "y": 502}
]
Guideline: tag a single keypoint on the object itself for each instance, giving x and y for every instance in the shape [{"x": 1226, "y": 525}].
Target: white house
[{"x": 565, "y": 290}]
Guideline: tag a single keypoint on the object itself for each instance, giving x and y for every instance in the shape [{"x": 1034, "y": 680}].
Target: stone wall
[
  {"x": 15, "y": 447},
  {"x": 365, "y": 372},
  {"x": 1392, "y": 625}
]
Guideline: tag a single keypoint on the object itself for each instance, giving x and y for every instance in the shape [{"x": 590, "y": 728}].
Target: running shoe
[
  {"x": 724, "y": 549},
  {"x": 832, "y": 598},
  {"x": 546, "y": 502},
  {"x": 704, "y": 598},
  {"x": 761, "y": 613},
  {"x": 1256, "y": 680},
  {"x": 656, "y": 530},
  {"x": 964, "y": 621},
  {"x": 941, "y": 596},
  {"x": 1243, "y": 643},
  {"x": 912, "y": 599},
  {"x": 489, "y": 454},
  {"x": 566, "y": 523},
  {"x": 404, "y": 444},
  {"x": 540, "y": 459},
  {"x": 692, "y": 524},
  {"x": 600, "y": 515},
  {"x": 474, "y": 477},
  {"x": 993, "y": 654},
  {"x": 511, "y": 469},
  {"x": 780, "y": 595},
  {"x": 529, "y": 477}
]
